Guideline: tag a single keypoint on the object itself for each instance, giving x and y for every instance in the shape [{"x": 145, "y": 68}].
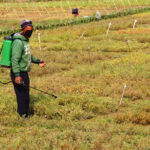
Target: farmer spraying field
[{"x": 21, "y": 60}]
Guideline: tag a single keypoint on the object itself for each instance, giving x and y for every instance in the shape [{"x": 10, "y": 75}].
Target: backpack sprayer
[
  {"x": 6, "y": 52},
  {"x": 6, "y": 61}
]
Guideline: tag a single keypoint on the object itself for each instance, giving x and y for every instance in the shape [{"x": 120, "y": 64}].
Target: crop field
[
  {"x": 11, "y": 13},
  {"x": 87, "y": 70}
]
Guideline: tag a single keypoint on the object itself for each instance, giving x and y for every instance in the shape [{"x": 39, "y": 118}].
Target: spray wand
[{"x": 23, "y": 84}]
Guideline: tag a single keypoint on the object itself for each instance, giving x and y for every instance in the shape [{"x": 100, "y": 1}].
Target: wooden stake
[
  {"x": 108, "y": 28},
  {"x": 135, "y": 21},
  {"x": 125, "y": 86},
  {"x": 39, "y": 38}
]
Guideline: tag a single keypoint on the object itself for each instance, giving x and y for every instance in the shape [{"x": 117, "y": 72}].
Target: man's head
[
  {"x": 75, "y": 12},
  {"x": 26, "y": 28}
]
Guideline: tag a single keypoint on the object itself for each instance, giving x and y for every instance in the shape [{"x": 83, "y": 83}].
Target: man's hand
[
  {"x": 18, "y": 80},
  {"x": 42, "y": 64}
]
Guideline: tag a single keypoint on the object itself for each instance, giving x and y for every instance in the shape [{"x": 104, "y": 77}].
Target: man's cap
[
  {"x": 26, "y": 23},
  {"x": 75, "y": 11}
]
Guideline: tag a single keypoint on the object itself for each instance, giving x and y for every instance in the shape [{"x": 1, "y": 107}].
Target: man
[{"x": 20, "y": 66}]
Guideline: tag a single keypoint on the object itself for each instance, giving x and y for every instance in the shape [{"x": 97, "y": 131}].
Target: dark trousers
[{"x": 22, "y": 93}]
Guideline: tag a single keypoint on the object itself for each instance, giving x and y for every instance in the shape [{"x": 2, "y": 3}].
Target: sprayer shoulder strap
[{"x": 17, "y": 39}]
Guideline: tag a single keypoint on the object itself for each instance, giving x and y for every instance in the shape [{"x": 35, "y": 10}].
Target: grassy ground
[{"x": 88, "y": 75}]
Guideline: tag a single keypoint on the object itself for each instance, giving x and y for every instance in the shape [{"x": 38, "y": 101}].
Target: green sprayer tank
[{"x": 6, "y": 52}]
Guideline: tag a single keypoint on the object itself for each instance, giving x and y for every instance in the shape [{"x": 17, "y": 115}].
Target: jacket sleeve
[
  {"x": 35, "y": 60},
  {"x": 17, "y": 49}
]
